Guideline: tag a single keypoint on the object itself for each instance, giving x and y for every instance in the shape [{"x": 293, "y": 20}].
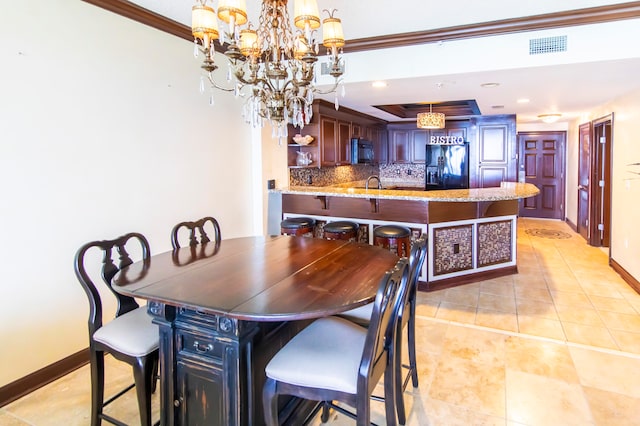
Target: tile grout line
[{"x": 533, "y": 337}]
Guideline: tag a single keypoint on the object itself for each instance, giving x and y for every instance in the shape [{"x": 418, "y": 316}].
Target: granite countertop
[{"x": 507, "y": 191}]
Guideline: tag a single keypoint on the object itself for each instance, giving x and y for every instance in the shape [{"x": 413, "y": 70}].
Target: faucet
[{"x": 366, "y": 185}]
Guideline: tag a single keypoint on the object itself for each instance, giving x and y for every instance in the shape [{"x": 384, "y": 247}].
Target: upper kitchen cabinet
[
  {"x": 400, "y": 150},
  {"x": 496, "y": 159},
  {"x": 335, "y": 135},
  {"x": 335, "y": 130},
  {"x": 380, "y": 139},
  {"x": 407, "y": 144},
  {"x": 419, "y": 138}
]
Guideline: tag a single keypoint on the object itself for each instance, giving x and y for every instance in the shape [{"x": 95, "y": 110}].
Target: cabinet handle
[{"x": 203, "y": 349}]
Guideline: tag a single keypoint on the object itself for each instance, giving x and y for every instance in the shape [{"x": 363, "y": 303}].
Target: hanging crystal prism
[
  {"x": 196, "y": 50},
  {"x": 336, "y": 104},
  {"x": 343, "y": 91},
  {"x": 201, "y": 85}
]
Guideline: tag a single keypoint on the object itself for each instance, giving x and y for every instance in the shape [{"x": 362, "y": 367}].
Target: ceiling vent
[
  {"x": 547, "y": 45},
  {"x": 325, "y": 68}
]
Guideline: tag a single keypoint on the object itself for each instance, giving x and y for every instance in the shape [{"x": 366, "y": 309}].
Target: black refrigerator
[{"x": 447, "y": 166}]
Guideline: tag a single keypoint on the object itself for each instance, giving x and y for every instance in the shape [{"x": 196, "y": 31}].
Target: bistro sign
[{"x": 446, "y": 140}]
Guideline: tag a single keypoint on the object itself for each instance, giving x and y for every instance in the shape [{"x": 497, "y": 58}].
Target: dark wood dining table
[{"x": 224, "y": 310}]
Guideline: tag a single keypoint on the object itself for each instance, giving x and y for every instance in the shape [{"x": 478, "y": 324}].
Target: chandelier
[
  {"x": 430, "y": 120},
  {"x": 273, "y": 62}
]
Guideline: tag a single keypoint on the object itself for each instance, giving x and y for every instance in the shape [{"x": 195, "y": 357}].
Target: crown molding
[{"x": 592, "y": 15}]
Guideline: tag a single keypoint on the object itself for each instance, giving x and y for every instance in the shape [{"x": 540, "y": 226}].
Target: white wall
[
  {"x": 103, "y": 132},
  {"x": 625, "y": 184}
]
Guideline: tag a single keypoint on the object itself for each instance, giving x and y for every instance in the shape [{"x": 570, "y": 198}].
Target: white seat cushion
[
  {"x": 325, "y": 355},
  {"x": 132, "y": 333},
  {"x": 360, "y": 315}
]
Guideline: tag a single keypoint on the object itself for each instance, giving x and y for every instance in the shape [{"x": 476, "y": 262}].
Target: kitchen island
[{"x": 472, "y": 232}]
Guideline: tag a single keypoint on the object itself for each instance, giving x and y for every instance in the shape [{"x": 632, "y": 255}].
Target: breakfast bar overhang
[{"x": 472, "y": 232}]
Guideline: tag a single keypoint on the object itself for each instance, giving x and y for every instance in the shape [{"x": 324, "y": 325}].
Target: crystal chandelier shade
[
  {"x": 430, "y": 120},
  {"x": 274, "y": 62}
]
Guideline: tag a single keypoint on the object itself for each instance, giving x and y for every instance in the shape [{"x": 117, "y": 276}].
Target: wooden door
[
  {"x": 541, "y": 161},
  {"x": 584, "y": 169}
]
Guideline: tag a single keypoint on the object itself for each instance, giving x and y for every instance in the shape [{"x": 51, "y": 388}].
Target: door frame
[
  {"x": 585, "y": 130},
  {"x": 600, "y": 196}
]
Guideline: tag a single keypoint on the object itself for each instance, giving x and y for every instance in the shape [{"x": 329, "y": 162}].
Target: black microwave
[{"x": 361, "y": 151}]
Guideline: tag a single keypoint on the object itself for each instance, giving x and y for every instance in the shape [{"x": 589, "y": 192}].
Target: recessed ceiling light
[
  {"x": 489, "y": 85},
  {"x": 550, "y": 118},
  {"x": 379, "y": 84},
  {"x": 523, "y": 101}
]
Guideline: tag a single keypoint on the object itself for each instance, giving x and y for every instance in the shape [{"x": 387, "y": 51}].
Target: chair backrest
[
  {"x": 109, "y": 269},
  {"x": 379, "y": 342},
  {"x": 198, "y": 225},
  {"x": 416, "y": 260}
]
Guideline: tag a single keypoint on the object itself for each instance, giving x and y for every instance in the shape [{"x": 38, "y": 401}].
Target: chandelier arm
[
  {"x": 239, "y": 76},
  {"x": 333, "y": 88},
  {"x": 217, "y": 86}
]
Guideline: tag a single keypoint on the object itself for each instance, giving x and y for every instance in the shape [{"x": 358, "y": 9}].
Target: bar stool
[
  {"x": 341, "y": 230},
  {"x": 393, "y": 237},
  {"x": 298, "y": 226}
]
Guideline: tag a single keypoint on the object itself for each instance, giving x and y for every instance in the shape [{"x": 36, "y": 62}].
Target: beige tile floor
[{"x": 556, "y": 344}]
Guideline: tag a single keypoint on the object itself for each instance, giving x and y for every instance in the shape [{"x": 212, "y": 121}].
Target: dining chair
[
  {"x": 130, "y": 336},
  {"x": 334, "y": 359},
  {"x": 362, "y": 316},
  {"x": 199, "y": 226}
]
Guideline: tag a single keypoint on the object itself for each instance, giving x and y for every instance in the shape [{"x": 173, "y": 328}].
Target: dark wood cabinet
[
  {"x": 358, "y": 131},
  {"x": 400, "y": 146},
  {"x": 419, "y": 140},
  {"x": 333, "y": 131},
  {"x": 328, "y": 136},
  {"x": 202, "y": 358},
  {"x": 408, "y": 145},
  {"x": 312, "y": 150},
  {"x": 196, "y": 379},
  {"x": 380, "y": 139},
  {"x": 336, "y": 138},
  {"x": 343, "y": 141},
  {"x": 496, "y": 151}
]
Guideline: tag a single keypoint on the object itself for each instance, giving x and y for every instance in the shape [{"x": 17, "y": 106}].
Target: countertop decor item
[
  {"x": 303, "y": 140},
  {"x": 274, "y": 60},
  {"x": 303, "y": 158}
]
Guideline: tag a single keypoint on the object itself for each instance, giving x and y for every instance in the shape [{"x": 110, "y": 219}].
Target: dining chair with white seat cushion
[
  {"x": 362, "y": 316},
  {"x": 334, "y": 359},
  {"x": 130, "y": 337}
]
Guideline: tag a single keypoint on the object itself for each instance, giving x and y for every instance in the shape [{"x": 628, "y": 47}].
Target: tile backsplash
[
  {"x": 406, "y": 173},
  {"x": 326, "y": 176}
]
